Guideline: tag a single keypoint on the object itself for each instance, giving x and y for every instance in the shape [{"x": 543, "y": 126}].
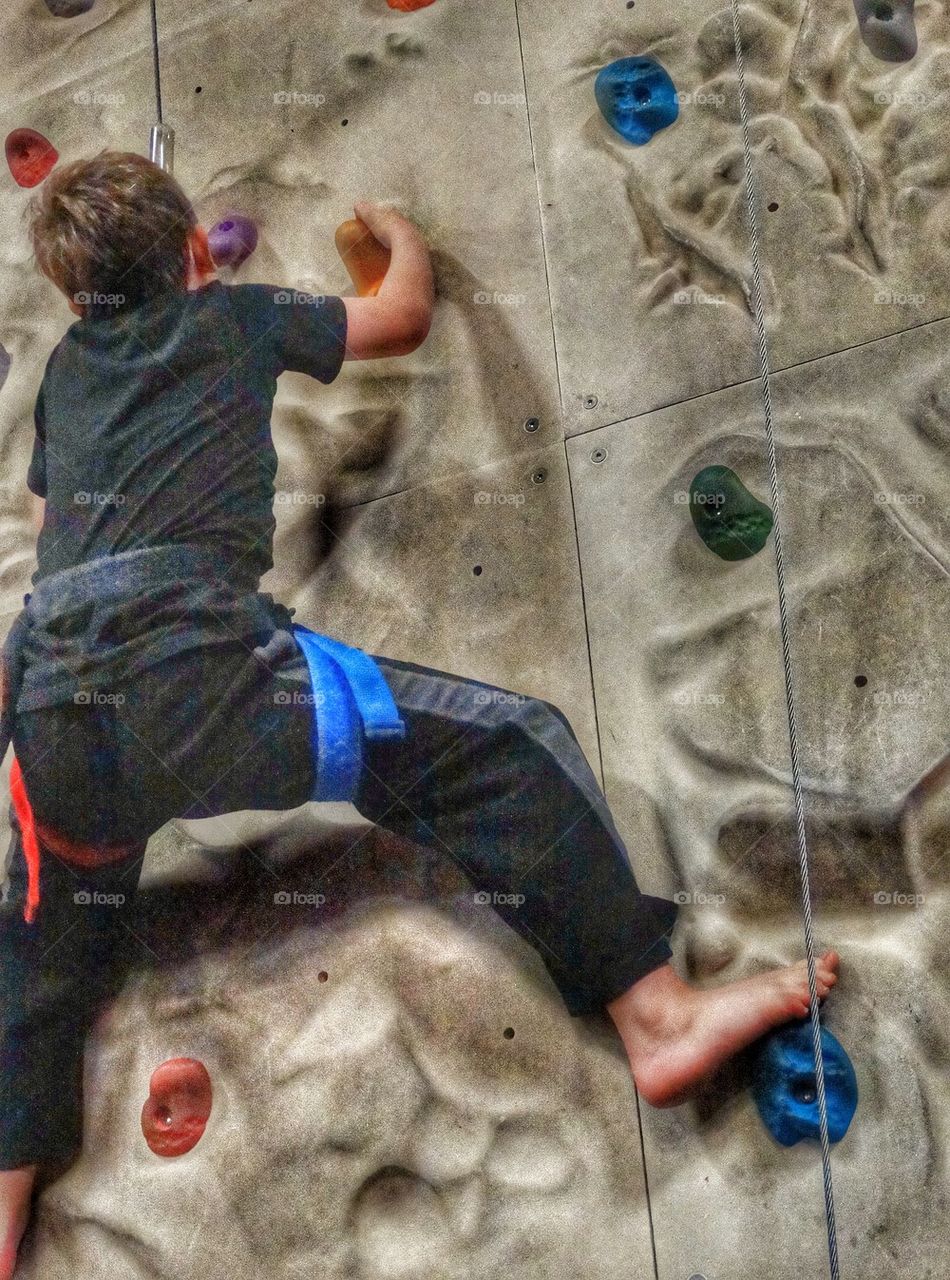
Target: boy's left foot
[{"x": 676, "y": 1035}]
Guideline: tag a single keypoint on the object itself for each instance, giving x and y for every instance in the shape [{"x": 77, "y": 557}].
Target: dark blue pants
[{"x": 493, "y": 780}]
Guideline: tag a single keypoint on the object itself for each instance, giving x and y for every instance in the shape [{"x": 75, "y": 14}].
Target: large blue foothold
[
  {"x": 637, "y": 98},
  {"x": 785, "y": 1091}
]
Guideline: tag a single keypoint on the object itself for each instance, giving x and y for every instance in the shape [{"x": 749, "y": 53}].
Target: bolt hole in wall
[
  {"x": 477, "y": 569},
  {"x": 509, "y": 1033},
  {"x": 860, "y": 681},
  {"x": 322, "y": 976}
]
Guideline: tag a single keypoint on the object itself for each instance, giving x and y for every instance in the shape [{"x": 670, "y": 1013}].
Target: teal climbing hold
[
  {"x": 732, "y": 523},
  {"x": 887, "y": 28},
  {"x": 636, "y": 97},
  {"x": 785, "y": 1089}
]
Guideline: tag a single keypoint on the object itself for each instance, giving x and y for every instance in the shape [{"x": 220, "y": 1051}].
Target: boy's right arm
[{"x": 396, "y": 321}]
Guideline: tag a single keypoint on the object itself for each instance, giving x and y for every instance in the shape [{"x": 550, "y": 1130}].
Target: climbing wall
[{"x": 527, "y": 500}]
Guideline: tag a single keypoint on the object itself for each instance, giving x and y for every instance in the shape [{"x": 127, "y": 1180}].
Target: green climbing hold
[{"x": 730, "y": 521}]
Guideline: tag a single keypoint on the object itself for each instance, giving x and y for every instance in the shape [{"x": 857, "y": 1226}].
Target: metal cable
[
  {"x": 765, "y": 380},
  {"x": 158, "y": 76}
]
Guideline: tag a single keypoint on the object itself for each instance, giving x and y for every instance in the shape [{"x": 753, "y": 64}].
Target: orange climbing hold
[
  {"x": 30, "y": 156},
  {"x": 178, "y": 1106},
  {"x": 366, "y": 260},
  {"x": 408, "y": 6}
]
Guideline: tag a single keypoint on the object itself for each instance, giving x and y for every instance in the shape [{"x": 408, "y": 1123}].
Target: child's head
[{"x": 116, "y": 226}]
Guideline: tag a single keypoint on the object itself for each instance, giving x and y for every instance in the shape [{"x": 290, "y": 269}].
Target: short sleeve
[
  {"x": 36, "y": 473},
  {"x": 306, "y": 332}
]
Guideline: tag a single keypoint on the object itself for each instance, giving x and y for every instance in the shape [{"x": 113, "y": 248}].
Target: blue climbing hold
[
  {"x": 785, "y": 1090},
  {"x": 637, "y": 98},
  {"x": 4, "y": 364}
]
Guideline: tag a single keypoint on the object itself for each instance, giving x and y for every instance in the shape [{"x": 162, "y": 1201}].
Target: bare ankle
[{"x": 659, "y": 1003}]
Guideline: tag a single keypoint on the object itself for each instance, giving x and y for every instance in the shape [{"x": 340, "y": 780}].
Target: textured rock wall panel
[{"x": 373, "y": 1118}]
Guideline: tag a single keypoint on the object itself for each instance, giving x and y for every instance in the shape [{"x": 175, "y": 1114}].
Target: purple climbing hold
[
  {"x": 887, "y": 28},
  {"x": 232, "y": 240},
  {"x": 69, "y": 8},
  {"x": 4, "y": 364}
]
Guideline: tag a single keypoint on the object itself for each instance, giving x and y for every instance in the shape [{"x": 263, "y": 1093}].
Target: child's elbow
[{"x": 417, "y": 330}]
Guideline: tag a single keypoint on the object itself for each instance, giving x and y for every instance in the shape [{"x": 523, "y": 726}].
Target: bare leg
[
  {"x": 676, "y": 1035},
  {"x": 16, "y": 1186}
]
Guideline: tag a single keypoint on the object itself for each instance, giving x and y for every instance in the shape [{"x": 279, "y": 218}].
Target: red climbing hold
[
  {"x": 178, "y": 1106},
  {"x": 408, "y": 6},
  {"x": 30, "y": 157}
]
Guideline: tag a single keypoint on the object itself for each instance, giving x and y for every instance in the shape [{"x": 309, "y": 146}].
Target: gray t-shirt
[{"x": 153, "y": 424}]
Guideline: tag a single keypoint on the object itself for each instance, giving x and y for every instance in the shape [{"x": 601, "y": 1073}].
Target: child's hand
[{"x": 386, "y": 224}]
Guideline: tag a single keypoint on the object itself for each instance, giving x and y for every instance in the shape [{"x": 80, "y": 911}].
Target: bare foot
[
  {"x": 16, "y": 1186},
  {"x": 676, "y": 1035}
]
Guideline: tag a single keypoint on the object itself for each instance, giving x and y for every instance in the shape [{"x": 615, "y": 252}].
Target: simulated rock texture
[{"x": 512, "y": 502}]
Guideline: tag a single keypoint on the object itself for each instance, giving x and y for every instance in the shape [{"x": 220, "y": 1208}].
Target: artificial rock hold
[
  {"x": 30, "y": 157},
  {"x": 178, "y": 1106},
  {"x": 636, "y": 97},
  {"x": 365, "y": 259},
  {"x": 785, "y": 1090},
  {"x": 732, "y": 523},
  {"x": 887, "y": 28},
  {"x": 232, "y": 241}
]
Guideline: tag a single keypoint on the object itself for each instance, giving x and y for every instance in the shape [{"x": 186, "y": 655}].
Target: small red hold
[
  {"x": 409, "y": 6},
  {"x": 178, "y": 1106},
  {"x": 30, "y": 157}
]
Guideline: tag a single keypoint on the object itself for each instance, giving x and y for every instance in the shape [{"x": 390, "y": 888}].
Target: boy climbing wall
[{"x": 148, "y": 678}]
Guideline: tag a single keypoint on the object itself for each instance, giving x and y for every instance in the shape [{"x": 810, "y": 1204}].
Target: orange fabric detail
[{"x": 31, "y": 848}]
